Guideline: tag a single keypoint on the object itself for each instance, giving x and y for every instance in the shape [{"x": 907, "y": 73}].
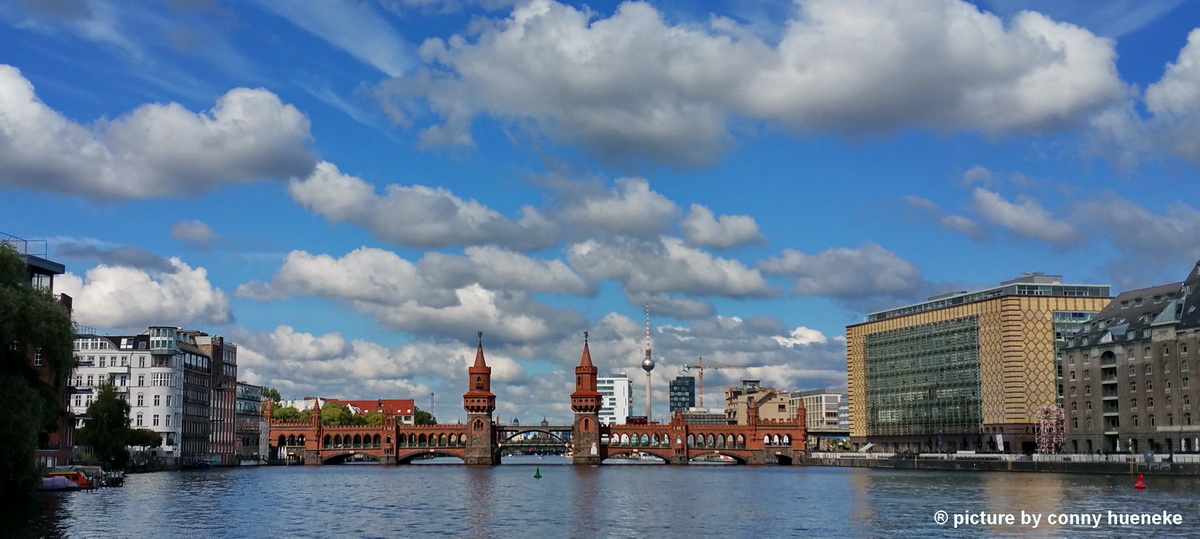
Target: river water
[{"x": 612, "y": 500}]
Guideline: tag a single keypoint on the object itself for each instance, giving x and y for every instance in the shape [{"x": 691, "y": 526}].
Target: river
[{"x": 441, "y": 498}]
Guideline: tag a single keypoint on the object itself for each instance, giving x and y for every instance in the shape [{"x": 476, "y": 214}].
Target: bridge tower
[
  {"x": 479, "y": 402},
  {"x": 585, "y": 402}
]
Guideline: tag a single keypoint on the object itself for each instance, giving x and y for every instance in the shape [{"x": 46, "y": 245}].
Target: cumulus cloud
[
  {"x": 673, "y": 306},
  {"x": 667, "y": 266},
  {"x": 498, "y": 269},
  {"x": 125, "y": 297},
  {"x": 847, "y": 273},
  {"x": 396, "y": 293},
  {"x": 417, "y": 216},
  {"x": 1175, "y": 102},
  {"x": 629, "y": 209},
  {"x": 194, "y": 233},
  {"x": 1028, "y": 218},
  {"x": 940, "y": 64},
  {"x": 702, "y": 229},
  {"x": 154, "y": 151}
]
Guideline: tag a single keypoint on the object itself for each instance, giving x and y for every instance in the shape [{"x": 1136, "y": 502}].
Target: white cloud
[
  {"x": 963, "y": 225},
  {"x": 124, "y": 297},
  {"x": 672, "y": 306},
  {"x": 498, "y": 269},
  {"x": 940, "y": 64},
  {"x": 801, "y": 336},
  {"x": 701, "y": 229},
  {"x": 194, "y": 233},
  {"x": 667, "y": 266},
  {"x": 977, "y": 174},
  {"x": 351, "y": 26},
  {"x": 1154, "y": 247},
  {"x": 922, "y": 203},
  {"x": 1028, "y": 219},
  {"x": 154, "y": 151},
  {"x": 1175, "y": 102},
  {"x": 394, "y": 292},
  {"x": 417, "y": 216},
  {"x": 630, "y": 209},
  {"x": 843, "y": 272}
]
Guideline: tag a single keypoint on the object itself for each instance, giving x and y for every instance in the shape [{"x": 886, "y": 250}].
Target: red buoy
[{"x": 1139, "y": 485}]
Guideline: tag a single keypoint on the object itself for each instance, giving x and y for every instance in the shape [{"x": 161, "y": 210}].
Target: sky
[{"x": 350, "y": 190}]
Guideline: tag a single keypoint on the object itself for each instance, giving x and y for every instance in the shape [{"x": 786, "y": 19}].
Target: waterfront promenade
[{"x": 1119, "y": 463}]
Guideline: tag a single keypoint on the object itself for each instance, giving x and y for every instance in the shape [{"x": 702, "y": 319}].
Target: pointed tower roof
[
  {"x": 479, "y": 361},
  {"x": 586, "y": 360}
]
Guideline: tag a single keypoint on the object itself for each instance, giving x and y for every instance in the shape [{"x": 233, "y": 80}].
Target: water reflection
[{"x": 608, "y": 501}]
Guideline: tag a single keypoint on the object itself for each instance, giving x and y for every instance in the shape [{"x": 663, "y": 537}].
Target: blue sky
[{"x": 350, "y": 189}]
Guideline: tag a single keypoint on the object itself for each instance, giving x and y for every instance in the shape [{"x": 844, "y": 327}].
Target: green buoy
[{"x": 537, "y": 474}]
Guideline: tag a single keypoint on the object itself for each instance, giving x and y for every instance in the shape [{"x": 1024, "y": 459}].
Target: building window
[
  {"x": 37, "y": 357},
  {"x": 1185, "y": 382},
  {"x": 1088, "y": 406},
  {"x": 1087, "y": 375},
  {"x": 1150, "y": 420},
  {"x": 78, "y": 400},
  {"x": 1147, "y": 352},
  {"x": 156, "y": 397},
  {"x": 1074, "y": 422},
  {"x": 141, "y": 380},
  {"x": 1071, "y": 359},
  {"x": 1166, "y": 350},
  {"x": 155, "y": 420},
  {"x": 1072, "y": 391},
  {"x": 1136, "y": 421},
  {"x": 1087, "y": 390},
  {"x": 168, "y": 402},
  {"x": 168, "y": 419},
  {"x": 1074, "y": 406},
  {"x": 89, "y": 380},
  {"x": 1087, "y": 358},
  {"x": 1149, "y": 402},
  {"x": 1149, "y": 369},
  {"x": 1133, "y": 404},
  {"x": 1187, "y": 418},
  {"x": 1149, "y": 386},
  {"x": 138, "y": 421},
  {"x": 1072, "y": 376},
  {"x": 1170, "y": 419},
  {"x": 142, "y": 362},
  {"x": 141, "y": 399},
  {"x": 1183, "y": 365},
  {"x": 1132, "y": 387},
  {"x": 1089, "y": 422},
  {"x": 1187, "y": 400}
]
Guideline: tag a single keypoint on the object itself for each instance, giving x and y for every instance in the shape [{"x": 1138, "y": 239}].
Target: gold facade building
[{"x": 964, "y": 371}]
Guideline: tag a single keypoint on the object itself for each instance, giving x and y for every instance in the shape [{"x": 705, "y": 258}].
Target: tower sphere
[{"x": 647, "y": 364}]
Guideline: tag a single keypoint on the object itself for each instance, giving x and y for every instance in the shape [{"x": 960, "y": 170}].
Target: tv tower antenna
[{"x": 648, "y": 363}]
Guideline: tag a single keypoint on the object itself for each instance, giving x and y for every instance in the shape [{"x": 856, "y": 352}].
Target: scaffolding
[{"x": 1050, "y": 431}]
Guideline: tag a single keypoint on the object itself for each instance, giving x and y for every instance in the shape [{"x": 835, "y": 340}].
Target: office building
[
  {"x": 683, "y": 393},
  {"x": 615, "y": 398},
  {"x": 966, "y": 370}
]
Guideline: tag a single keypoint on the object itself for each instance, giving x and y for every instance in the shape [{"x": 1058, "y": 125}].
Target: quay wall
[{"x": 1111, "y": 465}]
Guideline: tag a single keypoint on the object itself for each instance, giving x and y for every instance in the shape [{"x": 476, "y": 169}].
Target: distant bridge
[{"x": 482, "y": 440}]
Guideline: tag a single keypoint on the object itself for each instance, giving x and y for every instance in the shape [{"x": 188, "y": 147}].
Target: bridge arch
[
  {"x": 409, "y": 457},
  {"x": 341, "y": 458}
]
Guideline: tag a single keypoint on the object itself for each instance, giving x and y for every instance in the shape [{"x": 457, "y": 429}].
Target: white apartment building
[
  {"x": 615, "y": 399},
  {"x": 152, "y": 386},
  {"x": 165, "y": 377}
]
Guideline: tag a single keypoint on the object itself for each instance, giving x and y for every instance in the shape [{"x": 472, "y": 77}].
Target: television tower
[{"x": 648, "y": 363}]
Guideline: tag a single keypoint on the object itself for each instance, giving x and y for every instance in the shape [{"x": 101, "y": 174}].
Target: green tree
[
  {"x": 271, "y": 393},
  {"x": 373, "y": 418},
  {"x": 143, "y": 438},
  {"x": 336, "y": 414},
  {"x": 30, "y": 320},
  {"x": 107, "y": 429},
  {"x": 287, "y": 412},
  {"x": 421, "y": 417}
]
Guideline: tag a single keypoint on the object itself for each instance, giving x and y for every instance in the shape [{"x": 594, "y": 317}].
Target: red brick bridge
[{"x": 481, "y": 440}]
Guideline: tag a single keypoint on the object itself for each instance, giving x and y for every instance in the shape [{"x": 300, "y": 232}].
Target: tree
[
  {"x": 143, "y": 438},
  {"x": 421, "y": 417},
  {"x": 107, "y": 429},
  {"x": 30, "y": 320},
  {"x": 373, "y": 418},
  {"x": 336, "y": 414},
  {"x": 287, "y": 412},
  {"x": 271, "y": 393}
]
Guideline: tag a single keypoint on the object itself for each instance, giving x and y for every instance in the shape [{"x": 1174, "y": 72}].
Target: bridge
[{"x": 482, "y": 440}]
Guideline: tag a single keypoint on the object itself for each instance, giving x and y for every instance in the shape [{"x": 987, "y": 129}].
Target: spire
[
  {"x": 479, "y": 362},
  {"x": 586, "y": 360}
]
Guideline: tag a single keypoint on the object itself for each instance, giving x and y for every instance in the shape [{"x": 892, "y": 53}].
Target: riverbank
[{"x": 1084, "y": 464}]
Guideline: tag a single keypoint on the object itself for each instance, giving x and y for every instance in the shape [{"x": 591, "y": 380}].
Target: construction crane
[{"x": 700, "y": 366}]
